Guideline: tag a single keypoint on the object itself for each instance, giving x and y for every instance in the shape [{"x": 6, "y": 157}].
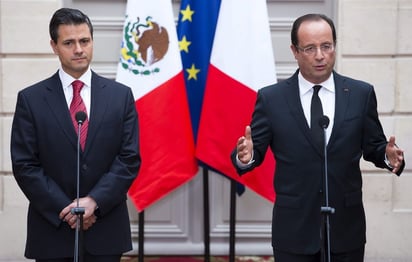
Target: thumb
[
  {"x": 248, "y": 133},
  {"x": 391, "y": 141}
]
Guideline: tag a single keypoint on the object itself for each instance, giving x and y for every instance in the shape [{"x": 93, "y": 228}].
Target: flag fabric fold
[
  {"x": 150, "y": 64},
  {"x": 241, "y": 63}
]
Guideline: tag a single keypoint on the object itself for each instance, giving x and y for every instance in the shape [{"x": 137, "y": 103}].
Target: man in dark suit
[
  {"x": 44, "y": 152},
  {"x": 282, "y": 121}
]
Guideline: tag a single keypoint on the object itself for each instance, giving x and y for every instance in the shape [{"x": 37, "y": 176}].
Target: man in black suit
[
  {"x": 282, "y": 121},
  {"x": 44, "y": 146}
]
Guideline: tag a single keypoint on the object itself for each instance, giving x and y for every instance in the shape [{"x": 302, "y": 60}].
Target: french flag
[
  {"x": 150, "y": 64},
  {"x": 241, "y": 62}
]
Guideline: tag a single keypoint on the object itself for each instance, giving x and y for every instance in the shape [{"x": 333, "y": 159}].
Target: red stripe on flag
[
  {"x": 166, "y": 143},
  {"x": 227, "y": 109}
]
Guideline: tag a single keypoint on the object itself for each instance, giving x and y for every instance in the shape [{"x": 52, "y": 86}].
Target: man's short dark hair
[
  {"x": 67, "y": 16},
  {"x": 310, "y": 17}
]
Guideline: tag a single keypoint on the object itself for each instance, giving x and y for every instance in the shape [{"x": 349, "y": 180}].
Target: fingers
[
  {"x": 87, "y": 223},
  {"x": 248, "y": 133},
  {"x": 71, "y": 221},
  {"x": 88, "y": 217},
  {"x": 67, "y": 216},
  {"x": 245, "y": 146},
  {"x": 89, "y": 204},
  {"x": 397, "y": 161},
  {"x": 391, "y": 141},
  {"x": 394, "y": 154},
  {"x": 396, "y": 167},
  {"x": 247, "y": 137},
  {"x": 66, "y": 211}
]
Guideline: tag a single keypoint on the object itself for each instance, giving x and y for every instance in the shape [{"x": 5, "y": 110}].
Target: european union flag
[{"x": 196, "y": 30}]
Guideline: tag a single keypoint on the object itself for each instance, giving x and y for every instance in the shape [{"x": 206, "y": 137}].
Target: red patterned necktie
[{"x": 77, "y": 105}]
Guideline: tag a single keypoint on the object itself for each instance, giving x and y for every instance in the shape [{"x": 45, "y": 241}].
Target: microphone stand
[
  {"x": 326, "y": 210},
  {"x": 78, "y": 211}
]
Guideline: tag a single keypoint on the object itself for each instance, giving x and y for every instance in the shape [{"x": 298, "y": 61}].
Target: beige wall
[
  {"x": 374, "y": 44},
  {"x": 24, "y": 59}
]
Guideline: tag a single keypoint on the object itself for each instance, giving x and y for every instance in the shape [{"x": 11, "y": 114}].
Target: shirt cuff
[
  {"x": 243, "y": 165},
  {"x": 388, "y": 164}
]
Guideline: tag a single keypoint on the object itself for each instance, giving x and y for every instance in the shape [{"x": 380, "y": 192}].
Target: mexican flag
[{"x": 150, "y": 64}]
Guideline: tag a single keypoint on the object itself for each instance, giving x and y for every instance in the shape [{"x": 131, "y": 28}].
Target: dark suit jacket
[
  {"x": 279, "y": 123},
  {"x": 44, "y": 158}
]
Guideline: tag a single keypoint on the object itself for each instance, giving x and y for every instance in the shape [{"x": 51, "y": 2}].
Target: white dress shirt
[
  {"x": 326, "y": 95},
  {"x": 85, "y": 93}
]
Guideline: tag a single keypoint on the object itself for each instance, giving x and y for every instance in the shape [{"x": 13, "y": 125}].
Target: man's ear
[
  {"x": 54, "y": 47},
  {"x": 294, "y": 50}
]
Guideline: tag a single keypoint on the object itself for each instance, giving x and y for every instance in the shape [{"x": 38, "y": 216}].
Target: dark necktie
[
  {"x": 77, "y": 105},
  {"x": 316, "y": 112}
]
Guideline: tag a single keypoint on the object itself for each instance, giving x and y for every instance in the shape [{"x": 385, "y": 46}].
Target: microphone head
[
  {"x": 324, "y": 122},
  {"x": 80, "y": 117}
]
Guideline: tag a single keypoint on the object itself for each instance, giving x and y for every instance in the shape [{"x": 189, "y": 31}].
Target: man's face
[
  {"x": 316, "y": 66},
  {"x": 74, "y": 47}
]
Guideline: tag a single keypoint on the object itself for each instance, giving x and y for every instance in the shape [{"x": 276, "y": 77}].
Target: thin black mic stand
[
  {"x": 326, "y": 210},
  {"x": 78, "y": 211}
]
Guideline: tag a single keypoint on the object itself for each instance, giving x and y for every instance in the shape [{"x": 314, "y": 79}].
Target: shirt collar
[
  {"x": 305, "y": 86},
  {"x": 67, "y": 79}
]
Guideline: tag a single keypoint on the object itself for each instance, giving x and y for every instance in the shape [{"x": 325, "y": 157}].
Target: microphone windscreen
[
  {"x": 80, "y": 116},
  {"x": 324, "y": 122}
]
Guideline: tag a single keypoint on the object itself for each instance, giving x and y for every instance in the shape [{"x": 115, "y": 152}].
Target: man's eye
[
  {"x": 310, "y": 49},
  {"x": 326, "y": 47}
]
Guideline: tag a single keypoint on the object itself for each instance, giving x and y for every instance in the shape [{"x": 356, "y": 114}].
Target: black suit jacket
[
  {"x": 278, "y": 122},
  {"x": 44, "y": 159}
]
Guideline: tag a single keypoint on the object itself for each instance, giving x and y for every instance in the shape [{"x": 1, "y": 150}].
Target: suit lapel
[
  {"x": 292, "y": 97},
  {"x": 341, "y": 105},
  {"x": 98, "y": 105},
  {"x": 55, "y": 99}
]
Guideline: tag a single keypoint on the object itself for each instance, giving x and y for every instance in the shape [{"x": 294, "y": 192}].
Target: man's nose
[{"x": 78, "y": 47}]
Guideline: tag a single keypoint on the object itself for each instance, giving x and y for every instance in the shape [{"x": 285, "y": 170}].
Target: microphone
[
  {"x": 78, "y": 211},
  {"x": 323, "y": 122},
  {"x": 81, "y": 117},
  {"x": 325, "y": 210}
]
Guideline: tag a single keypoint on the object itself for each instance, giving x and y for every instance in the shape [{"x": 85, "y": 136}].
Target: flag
[
  {"x": 150, "y": 64},
  {"x": 241, "y": 63},
  {"x": 196, "y": 30}
]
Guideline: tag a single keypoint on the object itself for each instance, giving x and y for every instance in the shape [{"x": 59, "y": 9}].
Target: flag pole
[
  {"x": 232, "y": 228},
  {"x": 206, "y": 225},
  {"x": 141, "y": 236}
]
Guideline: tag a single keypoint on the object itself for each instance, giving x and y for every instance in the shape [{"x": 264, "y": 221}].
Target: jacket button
[{"x": 84, "y": 167}]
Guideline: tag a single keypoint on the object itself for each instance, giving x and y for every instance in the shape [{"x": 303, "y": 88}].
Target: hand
[
  {"x": 87, "y": 223},
  {"x": 244, "y": 146},
  {"x": 394, "y": 155},
  {"x": 89, "y": 218}
]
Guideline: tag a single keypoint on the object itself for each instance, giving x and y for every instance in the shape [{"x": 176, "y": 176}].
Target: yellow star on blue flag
[{"x": 196, "y": 30}]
